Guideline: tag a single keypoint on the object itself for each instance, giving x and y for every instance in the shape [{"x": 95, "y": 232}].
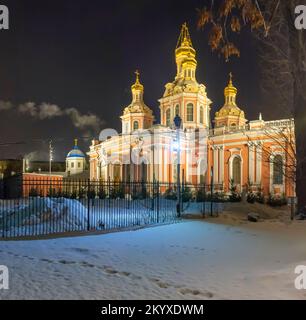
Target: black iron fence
[{"x": 35, "y": 207}]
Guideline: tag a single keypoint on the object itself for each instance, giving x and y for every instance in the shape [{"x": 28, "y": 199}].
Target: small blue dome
[{"x": 76, "y": 153}]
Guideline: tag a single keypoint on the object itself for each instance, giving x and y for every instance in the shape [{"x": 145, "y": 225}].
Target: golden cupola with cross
[
  {"x": 230, "y": 115},
  {"x": 185, "y": 96},
  {"x": 185, "y": 56},
  {"x": 137, "y": 115}
]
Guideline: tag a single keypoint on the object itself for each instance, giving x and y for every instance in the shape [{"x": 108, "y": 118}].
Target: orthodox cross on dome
[
  {"x": 231, "y": 78},
  {"x": 137, "y": 75},
  {"x": 75, "y": 142}
]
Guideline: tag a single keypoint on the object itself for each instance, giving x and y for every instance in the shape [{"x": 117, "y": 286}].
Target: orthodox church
[
  {"x": 226, "y": 150},
  {"x": 75, "y": 161}
]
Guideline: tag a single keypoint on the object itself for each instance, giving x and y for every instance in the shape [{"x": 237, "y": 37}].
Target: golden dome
[
  {"x": 137, "y": 85},
  {"x": 184, "y": 45},
  {"x": 230, "y": 90},
  {"x": 137, "y": 105},
  {"x": 230, "y": 107}
]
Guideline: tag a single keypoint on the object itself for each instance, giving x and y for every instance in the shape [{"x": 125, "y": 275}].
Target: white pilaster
[
  {"x": 258, "y": 162},
  {"x": 221, "y": 175},
  {"x": 251, "y": 162},
  {"x": 216, "y": 162}
]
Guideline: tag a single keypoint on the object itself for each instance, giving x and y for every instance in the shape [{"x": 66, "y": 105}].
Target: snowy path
[{"x": 198, "y": 260}]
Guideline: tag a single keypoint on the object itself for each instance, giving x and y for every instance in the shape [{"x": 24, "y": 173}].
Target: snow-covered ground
[{"x": 198, "y": 259}]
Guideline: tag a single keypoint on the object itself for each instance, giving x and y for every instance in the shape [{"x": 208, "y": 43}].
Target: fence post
[{"x": 88, "y": 205}]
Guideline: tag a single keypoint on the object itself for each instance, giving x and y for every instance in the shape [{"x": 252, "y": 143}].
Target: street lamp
[{"x": 177, "y": 122}]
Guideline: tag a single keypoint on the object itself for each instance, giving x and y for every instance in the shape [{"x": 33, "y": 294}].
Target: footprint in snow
[{"x": 195, "y": 292}]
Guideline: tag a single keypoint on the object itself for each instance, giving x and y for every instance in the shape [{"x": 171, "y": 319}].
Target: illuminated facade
[{"x": 234, "y": 150}]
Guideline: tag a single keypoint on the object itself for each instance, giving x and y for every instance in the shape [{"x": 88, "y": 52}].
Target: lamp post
[
  {"x": 211, "y": 189},
  {"x": 177, "y": 122}
]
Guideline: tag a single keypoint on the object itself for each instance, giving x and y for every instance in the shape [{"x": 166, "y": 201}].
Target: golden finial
[
  {"x": 230, "y": 91},
  {"x": 137, "y": 85},
  {"x": 75, "y": 142},
  {"x": 184, "y": 39},
  {"x": 137, "y": 76},
  {"x": 230, "y": 79}
]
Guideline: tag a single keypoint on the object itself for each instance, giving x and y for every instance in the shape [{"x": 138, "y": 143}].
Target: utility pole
[{"x": 50, "y": 157}]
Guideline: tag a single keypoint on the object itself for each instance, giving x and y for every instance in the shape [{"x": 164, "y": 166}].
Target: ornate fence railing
[{"x": 32, "y": 207}]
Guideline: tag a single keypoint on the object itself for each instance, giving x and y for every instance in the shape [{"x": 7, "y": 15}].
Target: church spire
[
  {"x": 230, "y": 92},
  {"x": 137, "y": 116},
  {"x": 230, "y": 115},
  {"x": 185, "y": 55},
  {"x": 137, "y": 88},
  {"x": 184, "y": 39}
]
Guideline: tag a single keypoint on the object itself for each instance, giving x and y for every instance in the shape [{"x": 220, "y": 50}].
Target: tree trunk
[{"x": 297, "y": 47}]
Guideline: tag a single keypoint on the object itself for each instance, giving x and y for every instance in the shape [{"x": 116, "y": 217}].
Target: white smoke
[
  {"x": 83, "y": 120},
  {"x": 5, "y": 105},
  {"x": 37, "y": 155},
  {"x": 49, "y": 111},
  {"x": 28, "y": 108}
]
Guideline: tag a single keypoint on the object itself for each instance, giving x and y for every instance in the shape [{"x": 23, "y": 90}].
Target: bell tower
[{"x": 185, "y": 96}]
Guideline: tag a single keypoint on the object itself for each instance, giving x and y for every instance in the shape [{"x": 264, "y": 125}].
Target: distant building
[
  {"x": 76, "y": 162},
  {"x": 43, "y": 166},
  {"x": 10, "y": 167}
]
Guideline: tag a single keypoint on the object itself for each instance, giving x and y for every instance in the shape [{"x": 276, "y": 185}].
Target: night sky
[{"x": 83, "y": 54}]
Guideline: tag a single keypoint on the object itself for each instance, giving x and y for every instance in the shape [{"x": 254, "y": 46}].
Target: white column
[
  {"x": 215, "y": 164},
  {"x": 258, "y": 162},
  {"x": 221, "y": 175},
  {"x": 160, "y": 167},
  {"x": 251, "y": 163}
]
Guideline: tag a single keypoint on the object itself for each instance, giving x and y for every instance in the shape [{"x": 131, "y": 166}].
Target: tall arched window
[
  {"x": 177, "y": 110},
  {"x": 201, "y": 114},
  {"x": 189, "y": 112},
  {"x": 236, "y": 173},
  {"x": 135, "y": 125},
  {"x": 168, "y": 117},
  {"x": 278, "y": 169}
]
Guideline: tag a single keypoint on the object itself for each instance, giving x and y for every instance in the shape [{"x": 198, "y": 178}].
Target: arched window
[
  {"x": 236, "y": 167},
  {"x": 201, "y": 115},
  {"x": 278, "y": 169},
  {"x": 135, "y": 125},
  {"x": 189, "y": 112},
  {"x": 168, "y": 117},
  {"x": 177, "y": 110}
]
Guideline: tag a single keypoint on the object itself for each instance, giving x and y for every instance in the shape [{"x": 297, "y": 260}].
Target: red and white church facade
[{"x": 256, "y": 154}]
